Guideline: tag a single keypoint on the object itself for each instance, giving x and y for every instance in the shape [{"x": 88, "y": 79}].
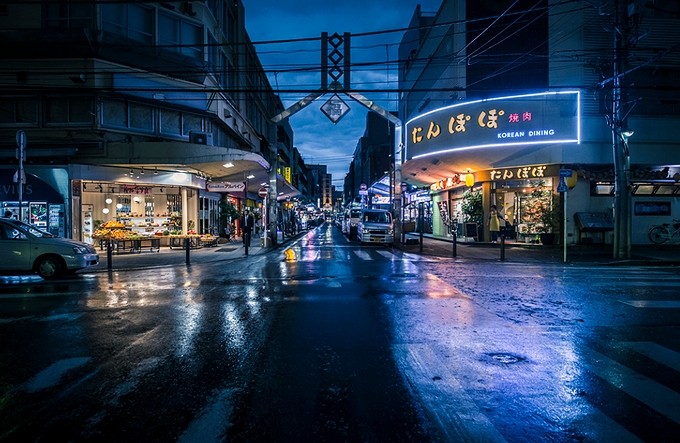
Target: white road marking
[
  {"x": 656, "y": 352},
  {"x": 362, "y": 254},
  {"x": 661, "y": 304},
  {"x": 653, "y": 394}
]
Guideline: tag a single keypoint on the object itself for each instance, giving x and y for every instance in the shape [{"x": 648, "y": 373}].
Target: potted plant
[
  {"x": 473, "y": 214},
  {"x": 543, "y": 211}
]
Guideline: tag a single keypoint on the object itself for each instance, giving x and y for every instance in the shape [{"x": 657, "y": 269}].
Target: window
[
  {"x": 114, "y": 113},
  {"x": 141, "y": 117},
  {"x": 129, "y": 21},
  {"x": 121, "y": 114},
  {"x": 192, "y": 123},
  {"x": 19, "y": 111},
  {"x": 180, "y": 36},
  {"x": 62, "y": 14},
  {"x": 171, "y": 122},
  {"x": 69, "y": 110}
]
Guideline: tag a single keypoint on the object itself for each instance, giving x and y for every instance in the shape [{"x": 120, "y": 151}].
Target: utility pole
[{"x": 622, "y": 196}]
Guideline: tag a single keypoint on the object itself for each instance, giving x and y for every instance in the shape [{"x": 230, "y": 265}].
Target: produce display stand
[{"x": 178, "y": 241}]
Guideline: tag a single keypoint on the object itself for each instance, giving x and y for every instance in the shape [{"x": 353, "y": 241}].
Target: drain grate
[{"x": 505, "y": 358}]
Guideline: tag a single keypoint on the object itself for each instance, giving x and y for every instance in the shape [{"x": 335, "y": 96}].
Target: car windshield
[
  {"x": 32, "y": 230},
  {"x": 377, "y": 217}
]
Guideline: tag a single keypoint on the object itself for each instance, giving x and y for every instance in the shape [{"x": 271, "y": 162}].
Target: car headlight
[{"x": 80, "y": 250}]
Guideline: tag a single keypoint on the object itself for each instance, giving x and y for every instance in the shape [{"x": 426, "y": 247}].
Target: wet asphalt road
[{"x": 343, "y": 343}]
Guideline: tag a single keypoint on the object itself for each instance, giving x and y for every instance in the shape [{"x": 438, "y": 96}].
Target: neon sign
[{"x": 544, "y": 118}]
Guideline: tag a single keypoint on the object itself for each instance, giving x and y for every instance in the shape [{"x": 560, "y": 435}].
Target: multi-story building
[
  {"x": 371, "y": 161},
  {"x": 505, "y": 99},
  {"x": 148, "y": 112}
]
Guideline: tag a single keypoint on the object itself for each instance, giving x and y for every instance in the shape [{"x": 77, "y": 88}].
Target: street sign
[
  {"x": 262, "y": 192},
  {"x": 562, "y": 186},
  {"x": 565, "y": 173},
  {"x": 335, "y": 108}
]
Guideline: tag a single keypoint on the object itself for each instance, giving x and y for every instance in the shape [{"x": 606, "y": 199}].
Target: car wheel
[{"x": 49, "y": 267}]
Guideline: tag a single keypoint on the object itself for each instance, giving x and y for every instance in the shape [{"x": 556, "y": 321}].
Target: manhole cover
[{"x": 504, "y": 358}]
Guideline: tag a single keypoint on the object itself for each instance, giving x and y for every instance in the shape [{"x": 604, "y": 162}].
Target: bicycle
[{"x": 664, "y": 232}]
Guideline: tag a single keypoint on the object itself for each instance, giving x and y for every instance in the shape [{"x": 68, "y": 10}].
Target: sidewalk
[
  {"x": 652, "y": 255},
  {"x": 178, "y": 256}
]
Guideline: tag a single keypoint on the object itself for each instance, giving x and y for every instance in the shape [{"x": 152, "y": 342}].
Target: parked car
[
  {"x": 26, "y": 248},
  {"x": 375, "y": 226}
]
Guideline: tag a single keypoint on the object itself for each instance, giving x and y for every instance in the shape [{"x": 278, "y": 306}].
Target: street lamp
[{"x": 404, "y": 188}]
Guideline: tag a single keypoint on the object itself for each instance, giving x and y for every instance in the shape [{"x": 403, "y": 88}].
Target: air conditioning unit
[{"x": 201, "y": 138}]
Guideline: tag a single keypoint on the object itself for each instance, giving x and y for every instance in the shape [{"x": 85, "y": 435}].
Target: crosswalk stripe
[
  {"x": 656, "y": 352},
  {"x": 653, "y": 394},
  {"x": 665, "y": 304},
  {"x": 363, "y": 255},
  {"x": 454, "y": 411},
  {"x": 388, "y": 255}
]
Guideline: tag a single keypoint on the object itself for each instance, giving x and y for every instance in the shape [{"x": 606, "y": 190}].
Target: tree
[
  {"x": 227, "y": 213},
  {"x": 471, "y": 207}
]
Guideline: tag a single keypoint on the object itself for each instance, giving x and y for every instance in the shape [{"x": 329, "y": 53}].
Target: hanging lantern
[
  {"x": 105, "y": 210},
  {"x": 469, "y": 179}
]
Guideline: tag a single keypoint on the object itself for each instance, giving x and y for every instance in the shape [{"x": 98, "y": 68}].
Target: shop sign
[
  {"x": 380, "y": 200},
  {"x": 446, "y": 183},
  {"x": 419, "y": 197},
  {"x": 545, "y": 118},
  {"x": 535, "y": 172},
  {"x": 287, "y": 174},
  {"x": 144, "y": 190},
  {"x": 225, "y": 187}
]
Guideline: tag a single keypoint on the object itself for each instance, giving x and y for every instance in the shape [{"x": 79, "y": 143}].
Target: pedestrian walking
[
  {"x": 247, "y": 222},
  {"x": 494, "y": 223}
]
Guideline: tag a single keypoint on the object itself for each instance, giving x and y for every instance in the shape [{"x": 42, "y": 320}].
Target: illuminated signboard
[{"x": 545, "y": 118}]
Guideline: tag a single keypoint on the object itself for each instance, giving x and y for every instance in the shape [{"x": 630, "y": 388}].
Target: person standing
[
  {"x": 247, "y": 221},
  {"x": 494, "y": 223}
]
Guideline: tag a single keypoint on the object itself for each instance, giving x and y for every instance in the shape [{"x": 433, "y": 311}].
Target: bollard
[
  {"x": 109, "y": 255},
  {"x": 187, "y": 247},
  {"x": 502, "y": 247},
  {"x": 455, "y": 239},
  {"x": 246, "y": 240}
]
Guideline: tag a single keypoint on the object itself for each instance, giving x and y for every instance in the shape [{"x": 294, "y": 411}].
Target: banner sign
[
  {"x": 225, "y": 187},
  {"x": 545, "y": 118}
]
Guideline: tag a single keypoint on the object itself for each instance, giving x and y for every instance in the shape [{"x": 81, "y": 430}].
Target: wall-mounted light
[
  {"x": 250, "y": 177},
  {"x": 105, "y": 210},
  {"x": 142, "y": 171},
  {"x": 136, "y": 199},
  {"x": 119, "y": 206},
  {"x": 155, "y": 171},
  {"x": 228, "y": 165},
  {"x": 108, "y": 200}
]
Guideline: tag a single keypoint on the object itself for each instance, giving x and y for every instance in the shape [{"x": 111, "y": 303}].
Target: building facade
[
  {"x": 148, "y": 113},
  {"x": 506, "y": 100}
]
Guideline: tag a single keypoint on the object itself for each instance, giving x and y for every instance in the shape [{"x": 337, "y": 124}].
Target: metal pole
[
  {"x": 109, "y": 255},
  {"x": 564, "y": 237},
  {"x": 246, "y": 239},
  {"x": 421, "y": 216},
  {"x": 454, "y": 229},
  {"x": 502, "y": 247},
  {"x": 187, "y": 248},
  {"x": 621, "y": 156}
]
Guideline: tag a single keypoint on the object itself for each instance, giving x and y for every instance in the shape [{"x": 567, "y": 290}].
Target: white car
[{"x": 26, "y": 248}]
